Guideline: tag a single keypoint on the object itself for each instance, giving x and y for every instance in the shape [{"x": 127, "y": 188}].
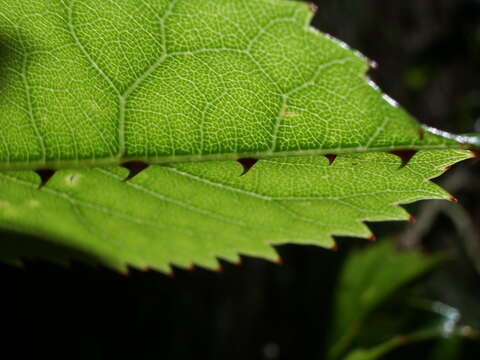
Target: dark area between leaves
[{"x": 429, "y": 61}]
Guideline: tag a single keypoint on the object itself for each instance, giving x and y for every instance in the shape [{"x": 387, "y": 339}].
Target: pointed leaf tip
[
  {"x": 134, "y": 168},
  {"x": 247, "y": 164},
  {"x": 404, "y": 155},
  {"x": 45, "y": 176}
]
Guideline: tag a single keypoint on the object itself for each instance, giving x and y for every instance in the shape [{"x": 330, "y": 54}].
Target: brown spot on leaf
[
  {"x": 134, "y": 168},
  {"x": 45, "y": 176},
  {"x": 404, "y": 155},
  {"x": 331, "y": 158},
  {"x": 247, "y": 164}
]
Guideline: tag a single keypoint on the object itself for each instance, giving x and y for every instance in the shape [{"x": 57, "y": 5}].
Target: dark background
[{"x": 428, "y": 53}]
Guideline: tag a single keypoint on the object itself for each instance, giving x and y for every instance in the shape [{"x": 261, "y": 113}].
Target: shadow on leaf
[{"x": 16, "y": 247}]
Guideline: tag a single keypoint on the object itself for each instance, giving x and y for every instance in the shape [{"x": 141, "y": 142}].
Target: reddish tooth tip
[
  {"x": 239, "y": 262},
  {"x": 334, "y": 247},
  {"x": 191, "y": 267},
  {"x": 45, "y": 176},
  {"x": 453, "y": 199},
  {"x": 331, "y": 158},
  {"x": 247, "y": 164},
  {"x": 404, "y": 155},
  {"x": 372, "y": 237},
  {"x": 446, "y": 168},
  {"x": 411, "y": 219},
  {"x": 279, "y": 261},
  {"x": 476, "y": 153},
  {"x": 134, "y": 168},
  {"x": 219, "y": 269}
]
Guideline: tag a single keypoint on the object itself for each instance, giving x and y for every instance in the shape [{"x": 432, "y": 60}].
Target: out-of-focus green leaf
[
  {"x": 368, "y": 278},
  {"x": 434, "y": 332}
]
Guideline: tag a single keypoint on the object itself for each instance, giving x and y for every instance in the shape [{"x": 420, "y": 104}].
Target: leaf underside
[{"x": 86, "y": 86}]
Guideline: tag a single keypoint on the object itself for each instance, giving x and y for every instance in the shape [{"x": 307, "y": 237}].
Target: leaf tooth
[
  {"x": 372, "y": 64},
  {"x": 411, "y": 219},
  {"x": 405, "y": 155},
  {"x": 313, "y": 7},
  {"x": 219, "y": 268},
  {"x": 475, "y": 153},
  {"x": 134, "y": 168},
  {"x": 45, "y": 176},
  {"x": 334, "y": 247},
  {"x": 372, "y": 237},
  {"x": 453, "y": 199},
  {"x": 331, "y": 158},
  {"x": 247, "y": 164}
]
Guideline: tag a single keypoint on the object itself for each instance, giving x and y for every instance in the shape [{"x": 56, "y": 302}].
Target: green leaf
[
  {"x": 88, "y": 83},
  {"x": 193, "y": 212},
  {"x": 368, "y": 279}
]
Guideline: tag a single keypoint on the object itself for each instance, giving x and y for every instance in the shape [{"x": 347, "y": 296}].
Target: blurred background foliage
[{"x": 362, "y": 302}]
